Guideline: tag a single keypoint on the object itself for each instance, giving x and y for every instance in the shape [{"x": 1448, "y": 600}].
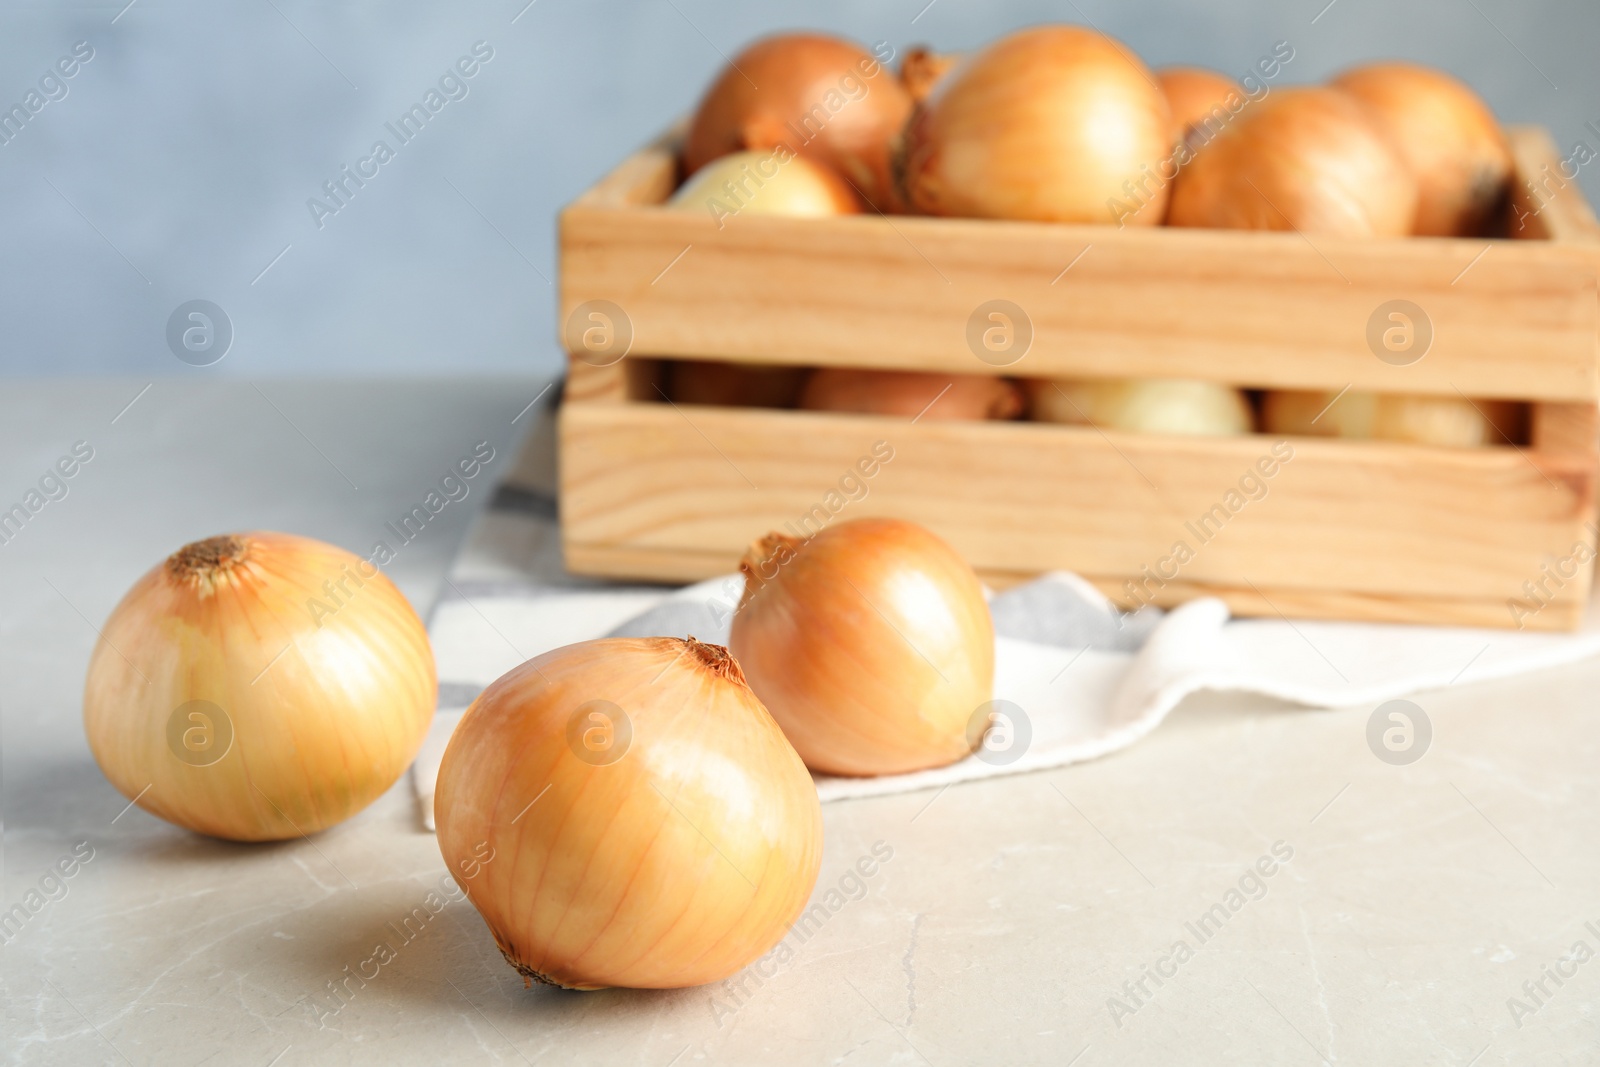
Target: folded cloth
[{"x": 1075, "y": 678}]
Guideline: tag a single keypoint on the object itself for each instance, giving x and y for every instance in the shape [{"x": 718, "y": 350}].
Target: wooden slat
[
  {"x": 1546, "y": 204},
  {"x": 1365, "y": 520},
  {"x": 645, "y": 178},
  {"x": 1254, "y": 309},
  {"x": 627, "y": 379},
  {"x": 1571, "y": 428},
  {"x": 1261, "y": 309},
  {"x": 595, "y": 385}
]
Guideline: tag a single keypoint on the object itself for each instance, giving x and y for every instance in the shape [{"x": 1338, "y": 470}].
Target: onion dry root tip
[
  {"x": 529, "y": 975},
  {"x": 200, "y": 559}
]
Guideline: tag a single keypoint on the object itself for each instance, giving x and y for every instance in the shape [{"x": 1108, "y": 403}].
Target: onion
[
  {"x": 749, "y": 385},
  {"x": 765, "y": 183},
  {"x": 871, "y": 644},
  {"x": 823, "y": 98},
  {"x": 649, "y": 824},
  {"x": 1424, "y": 420},
  {"x": 259, "y": 686},
  {"x": 911, "y": 393},
  {"x": 1307, "y": 159},
  {"x": 1195, "y": 95},
  {"x": 1055, "y": 123},
  {"x": 1448, "y": 138},
  {"x": 1143, "y": 405},
  {"x": 922, "y": 69}
]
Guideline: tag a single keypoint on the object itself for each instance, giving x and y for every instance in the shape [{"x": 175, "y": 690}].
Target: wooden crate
[{"x": 1347, "y": 529}]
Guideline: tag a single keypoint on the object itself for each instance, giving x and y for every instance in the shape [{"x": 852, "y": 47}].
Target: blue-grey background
[{"x": 180, "y": 162}]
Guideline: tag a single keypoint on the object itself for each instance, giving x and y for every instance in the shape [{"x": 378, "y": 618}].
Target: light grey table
[{"x": 1416, "y": 904}]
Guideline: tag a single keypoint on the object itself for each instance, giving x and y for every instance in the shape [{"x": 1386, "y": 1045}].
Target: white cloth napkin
[{"x": 1078, "y": 679}]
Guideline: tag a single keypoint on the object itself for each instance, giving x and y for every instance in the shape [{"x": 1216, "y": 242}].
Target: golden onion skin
[
  {"x": 1447, "y": 421},
  {"x": 1447, "y": 136},
  {"x": 765, "y": 183},
  {"x": 1198, "y": 97},
  {"x": 824, "y": 97},
  {"x": 922, "y": 68},
  {"x": 317, "y": 733},
  {"x": 680, "y": 861},
  {"x": 1045, "y": 125},
  {"x": 745, "y": 385},
  {"x": 1304, "y": 158},
  {"x": 871, "y": 644},
  {"x": 911, "y": 394},
  {"x": 1144, "y": 405}
]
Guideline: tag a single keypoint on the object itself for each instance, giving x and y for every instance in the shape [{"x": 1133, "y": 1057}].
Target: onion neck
[
  {"x": 204, "y": 565},
  {"x": 762, "y": 561},
  {"x": 716, "y": 659}
]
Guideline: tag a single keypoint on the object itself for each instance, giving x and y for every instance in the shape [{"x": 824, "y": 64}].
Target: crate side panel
[
  {"x": 1361, "y": 518},
  {"x": 1250, "y": 308}
]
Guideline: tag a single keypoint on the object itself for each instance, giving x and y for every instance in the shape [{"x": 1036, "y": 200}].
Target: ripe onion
[
  {"x": 871, "y": 644},
  {"x": 911, "y": 393},
  {"x": 1055, "y": 123},
  {"x": 1198, "y": 99},
  {"x": 1143, "y": 405},
  {"x": 259, "y": 686},
  {"x": 765, "y": 183},
  {"x": 823, "y": 98},
  {"x": 648, "y": 823},
  {"x": 1307, "y": 159},
  {"x": 922, "y": 68},
  {"x": 748, "y": 385},
  {"x": 1448, "y": 138},
  {"x": 1425, "y": 420}
]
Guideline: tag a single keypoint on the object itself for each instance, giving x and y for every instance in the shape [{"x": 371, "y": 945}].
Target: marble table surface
[{"x": 1436, "y": 913}]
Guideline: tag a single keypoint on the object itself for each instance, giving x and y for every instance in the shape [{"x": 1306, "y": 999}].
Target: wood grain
[
  {"x": 1547, "y": 205},
  {"x": 641, "y": 483},
  {"x": 1348, "y": 529},
  {"x": 1258, "y": 309}
]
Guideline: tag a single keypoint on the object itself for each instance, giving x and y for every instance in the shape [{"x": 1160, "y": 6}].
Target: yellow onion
[
  {"x": 1199, "y": 98},
  {"x": 1143, "y": 405},
  {"x": 1424, "y": 420},
  {"x": 871, "y": 644},
  {"x": 648, "y": 824},
  {"x": 259, "y": 686},
  {"x": 1307, "y": 159},
  {"x": 765, "y": 183},
  {"x": 749, "y": 385},
  {"x": 1054, "y": 123},
  {"x": 922, "y": 69},
  {"x": 907, "y": 394},
  {"x": 821, "y": 97},
  {"x": 1448, "y": 138}
]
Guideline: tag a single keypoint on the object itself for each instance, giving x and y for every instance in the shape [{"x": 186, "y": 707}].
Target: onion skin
[
  {"x": 1306, "y": 159},
  {"x": 683, "y": 860},
  {"x": 825, "y": 98},
  {"x": 840, "y": 635},
  {"x": 1448, "y": 421},
  {"x": 1448, "y": 138},
  {"x": 1195, "y": 95},
  {"x": 1143, "y": 405},
  {"x": 905, "y": 394},
  {"x": 746, "y": 385},
  {"x": 316, "y": 737},
  {"x": 922, "y": 69},
  {"x": 1051, "y": 124},
  {"x": 765, "y": 183}
]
